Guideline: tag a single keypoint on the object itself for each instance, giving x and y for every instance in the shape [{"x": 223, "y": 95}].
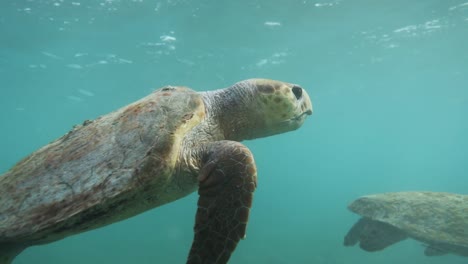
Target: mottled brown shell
[
  {"x": 100, "y": 172},
  {"x": 432, "y": 217}
]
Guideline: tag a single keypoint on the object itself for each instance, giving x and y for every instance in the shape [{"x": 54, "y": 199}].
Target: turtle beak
[
  {"x": 304, "y": 101},
  {"x": 308, "y": 112}
]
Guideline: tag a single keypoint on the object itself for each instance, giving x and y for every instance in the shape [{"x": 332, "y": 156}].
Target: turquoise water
[{"x": 388, "y": 79}]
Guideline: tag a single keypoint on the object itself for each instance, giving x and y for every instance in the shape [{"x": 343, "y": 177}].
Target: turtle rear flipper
[
  {"x": 227, "y": 180},
  {"x": 9, "y": 251}
]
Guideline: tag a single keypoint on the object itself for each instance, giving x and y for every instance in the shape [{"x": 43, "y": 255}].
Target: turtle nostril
[{"x": 297, "y": 91}]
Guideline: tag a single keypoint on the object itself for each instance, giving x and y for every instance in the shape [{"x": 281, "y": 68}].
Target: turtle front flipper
[
  {"x": 9, "y": 251},
  {"x": 373, "y": 235},
  {"x": 227, "y": 180},
  {"x": 434, "y": 250}
]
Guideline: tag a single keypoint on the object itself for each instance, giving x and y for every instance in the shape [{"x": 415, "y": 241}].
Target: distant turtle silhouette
[{"x": 439, "y": 220}]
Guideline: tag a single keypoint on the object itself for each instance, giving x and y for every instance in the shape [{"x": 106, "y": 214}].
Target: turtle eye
[{"x": 297, "y": 91}]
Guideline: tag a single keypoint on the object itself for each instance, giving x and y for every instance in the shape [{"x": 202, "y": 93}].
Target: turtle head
[
  {"x": 280, "y": 106},
  {"x": 260, "y": 107}
]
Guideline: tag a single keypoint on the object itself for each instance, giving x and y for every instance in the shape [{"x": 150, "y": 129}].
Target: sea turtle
[
  {"x": 439, "y": 220},
  {"x": 149, "y": 153}
]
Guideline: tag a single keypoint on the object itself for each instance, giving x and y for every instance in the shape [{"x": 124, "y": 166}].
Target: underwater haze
[{"x": 388, "y": 80}]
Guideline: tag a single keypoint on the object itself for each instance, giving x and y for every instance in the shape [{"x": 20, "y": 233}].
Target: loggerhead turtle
[
  {"x": 439, "y": 220},
  {"x": 151, "y": 152}
]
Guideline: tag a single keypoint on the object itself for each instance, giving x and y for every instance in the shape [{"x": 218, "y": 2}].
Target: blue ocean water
[{"x": 388, "y": 79}]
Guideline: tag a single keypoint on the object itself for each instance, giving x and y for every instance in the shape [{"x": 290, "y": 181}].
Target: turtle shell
[
  {"x": 431, "y": 217},
  {"x": 100, "y": 172}
]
